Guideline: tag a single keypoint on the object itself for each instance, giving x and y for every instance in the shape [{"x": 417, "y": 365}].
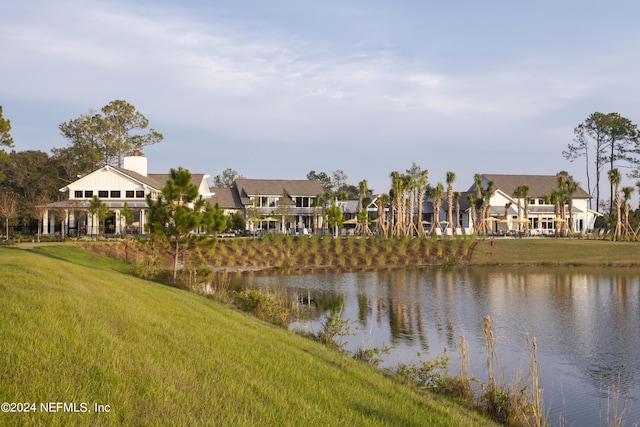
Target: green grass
[
  {"x": 82, "y": 331},
  {"x": 555, "y": 252}
]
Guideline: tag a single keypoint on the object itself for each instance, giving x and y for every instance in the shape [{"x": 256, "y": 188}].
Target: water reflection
[{"x": 586, "y": 322}]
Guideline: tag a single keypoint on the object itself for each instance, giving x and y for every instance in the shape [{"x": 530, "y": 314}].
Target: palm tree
[
  {"x": 614, "y": 179},
  {"x": 436, "y": 193},
  {"x": 477, "y": 182},
  {"x": 456, "y": 198},
  {"x": 554, "y": 199},
  {"x": 99, "y": 211},
  {"x": 522, "y": 194},
  {"x": 506, "y": 212},
  {"x": 383, "y": 221},
  {"x": 627, "y": 192},
  {"x": 319, "y": 201},
  {"x": 409, "y": 184},
  {"x": 451, "y": 177},
  {"x": 487, "y": 194},
  {"x": 563, "y": 197},
  {"x": 397, "y": 194},
  {"x": 572, "y": 187},
  {"x": 471, "y": 198},
  {"x": 363, "y": 194},
  {"x": 421, "y": 184}
]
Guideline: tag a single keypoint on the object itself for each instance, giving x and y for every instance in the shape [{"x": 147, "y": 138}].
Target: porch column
[
  {"x": 143, "y": 221},
  {"x": 71, "y": 220},
  {"x": 91, "y": 228},
  {"x": 45, "y": 222},
  {"x": 118, "y": 225},
  {"x": 52, "y": 222},
  {"x": 65, "y": 226}
]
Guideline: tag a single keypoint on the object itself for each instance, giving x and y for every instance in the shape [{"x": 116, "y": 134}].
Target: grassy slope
[
  {"x": 82, "y": 331},
  {"x": 556, "y": 252}
]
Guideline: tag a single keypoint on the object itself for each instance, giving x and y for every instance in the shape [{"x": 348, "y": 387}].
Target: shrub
[
  {"x": 431, "y": 374},
  {"x": 373, "y": 356},
  {"x": 265, "y": 307},
  {"x": 334, "y": 330}
]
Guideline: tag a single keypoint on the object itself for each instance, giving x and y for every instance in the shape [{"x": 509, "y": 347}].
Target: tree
[
  {"x": 8, "y": 208},
  {"x": 363, "y": 201},
  {"x": 421, "y": 186},
  {"x": 608, "y": 138},
  {"x": 409, "y": 185},
  {"x": 334, "y": 216},
  {"x": 437, "y": 194},
  {"x": 227, "y": 178},
  {"x": 30, "y": 175},
  {"x": 5, "y": 127},
  {"x": 126, "y": 215},
  {"x": 572, "y": 187},
  {"x": 383, "y": 203},
  {"x": 339, "y": 180},
  {"x": 487, "y": 194},
  {"x": 562, "y": 198},
  {"x": 89, "y": 147},
  {"x": 397, "y": 203},
  {"x": 98, "y": 139},
  {"x": 120, "y": 119},
  {"x": 477, "y": 203},
  {"x": 615, "y": 179},
  {"x": 178, "y": 212},
  {"x": 40, "y": 208},
  {"x": 626, "y": 226},
  {"x": 236, "y": 221},
  {"x": 99, "y": 211},
  {"x": 456, "y": 198},
  {"x": 521, "y": 192},
  {"x": 451, "y": 177},
  {"x": 323, "y": 179}
]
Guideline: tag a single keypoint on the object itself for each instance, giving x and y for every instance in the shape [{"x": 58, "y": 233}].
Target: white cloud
[{"x": 206, "y": 80}]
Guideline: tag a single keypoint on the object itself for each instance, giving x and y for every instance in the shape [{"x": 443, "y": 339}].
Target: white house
[
  {"x": 290, "y": 201},
  {"x": 541, "y": 214},
  {"x": 114, "y": 186}
]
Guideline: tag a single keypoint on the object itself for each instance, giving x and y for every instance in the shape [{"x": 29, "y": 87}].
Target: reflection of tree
[
  {"x": 364, "y": 310},
  {"x": 585, "y": 320}
]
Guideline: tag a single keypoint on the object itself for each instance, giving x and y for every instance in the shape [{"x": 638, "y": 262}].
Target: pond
[{"x": 586, "y": 322}]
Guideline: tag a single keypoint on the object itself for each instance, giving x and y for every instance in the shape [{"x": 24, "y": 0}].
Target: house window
[
  {"x": 78, "y": 194},
  {"x": 129, "y": 194},
  {"x": 103, "y": 194},
  {"x": 140, "y": 194},
  {"x": 88, "y": 193},
  {"x": 115, "y": 194},
  {"x": 302, "y": 202}
]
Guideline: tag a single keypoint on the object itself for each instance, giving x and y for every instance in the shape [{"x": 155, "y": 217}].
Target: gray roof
[
  {"x": 275, "y": 187},
  {"x": 226, "y": 198},
  {"x": 539, "y": 185},
  {"x": 157, "y": 180}
]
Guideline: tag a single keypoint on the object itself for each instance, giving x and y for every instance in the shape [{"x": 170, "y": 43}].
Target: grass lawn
[
  {"x": 74, "y": 327},
  {"x": 550, "y": 251}
]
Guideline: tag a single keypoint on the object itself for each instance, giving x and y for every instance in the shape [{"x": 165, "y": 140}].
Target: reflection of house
[
  {"x": 113, "y": 186},
  {"x": 541, "y": 214}
]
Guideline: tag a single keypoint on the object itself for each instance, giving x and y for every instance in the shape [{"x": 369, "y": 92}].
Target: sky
[{"x": 275, "y": 89}]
